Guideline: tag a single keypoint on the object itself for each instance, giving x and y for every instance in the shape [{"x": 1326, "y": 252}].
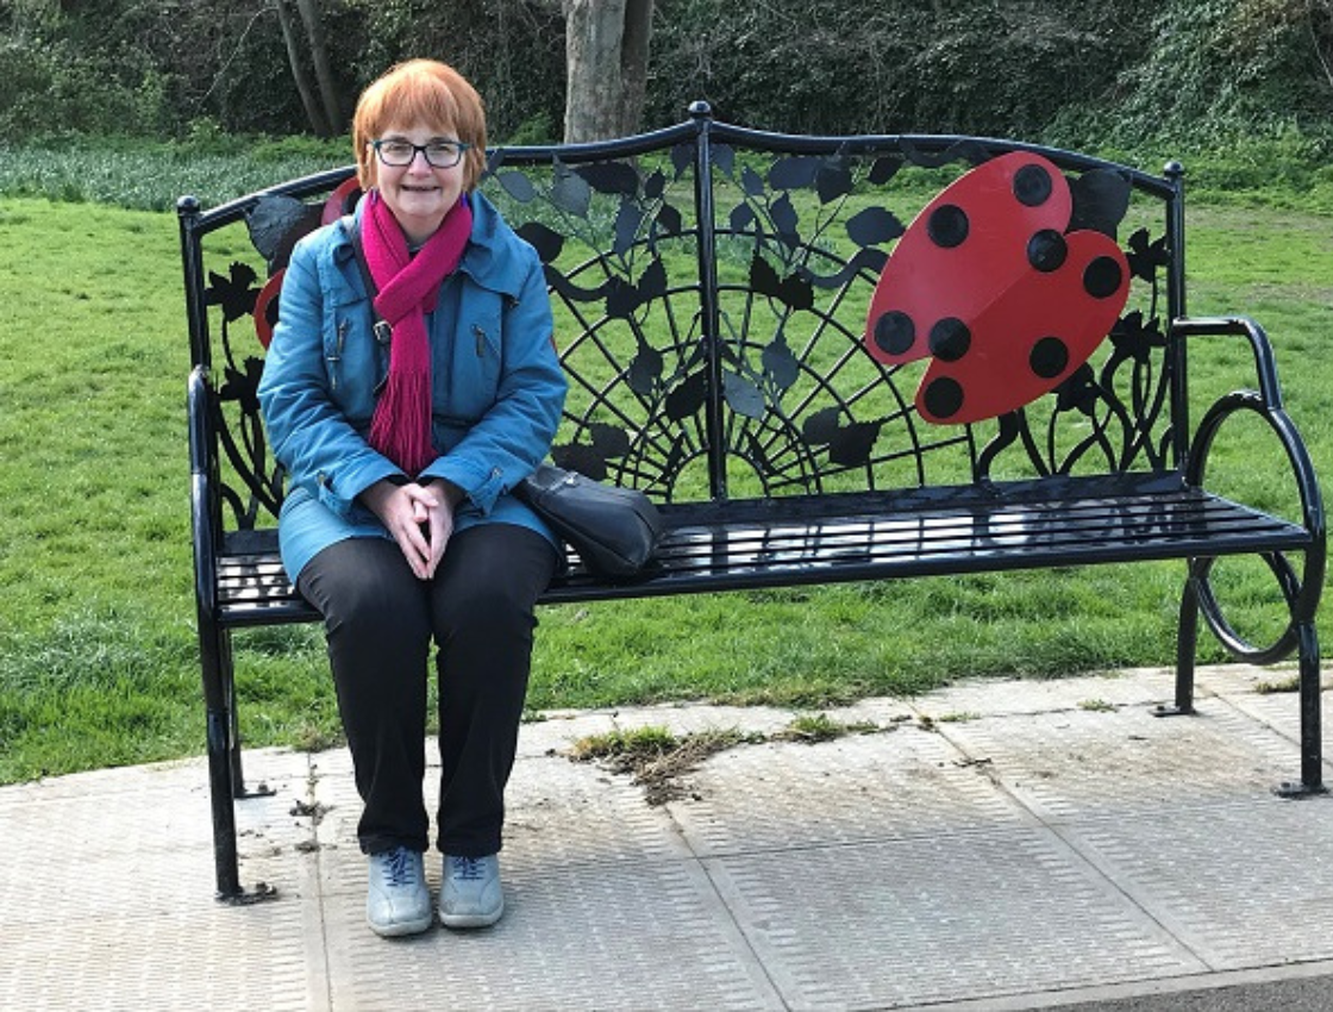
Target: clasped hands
[{"x": 419, "y": 517}]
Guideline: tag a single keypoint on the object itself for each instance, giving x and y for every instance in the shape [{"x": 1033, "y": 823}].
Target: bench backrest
[{"x": 708, "y": 257}]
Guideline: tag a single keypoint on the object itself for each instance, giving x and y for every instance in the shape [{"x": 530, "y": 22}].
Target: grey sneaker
[
  {"x": 471, "y": 896},
  {"x": 398, "y": 902}
]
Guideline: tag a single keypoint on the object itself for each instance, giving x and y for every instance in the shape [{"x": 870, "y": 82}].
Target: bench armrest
[
  {"x": 1307, "y": 593},
  {"x": 1265, "y": 363},
  {"x": 204, "y": 506}
]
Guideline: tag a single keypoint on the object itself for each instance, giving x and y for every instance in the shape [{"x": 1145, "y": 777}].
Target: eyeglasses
[{"x": 439, "y": 154}]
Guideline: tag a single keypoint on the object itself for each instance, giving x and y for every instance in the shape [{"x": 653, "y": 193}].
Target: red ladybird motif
[{"x": 989, "y": 280}]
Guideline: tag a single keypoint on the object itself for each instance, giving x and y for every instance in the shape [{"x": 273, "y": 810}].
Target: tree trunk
[
  {"x": 319, "y": 52},
  {"x": 634, "y": 63},
  {"x": 312, "y": 111},
  {"x": 606, "y": 58}
]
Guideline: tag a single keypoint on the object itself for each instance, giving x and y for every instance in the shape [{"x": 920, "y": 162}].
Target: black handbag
[{"x": 614, "y": 530}]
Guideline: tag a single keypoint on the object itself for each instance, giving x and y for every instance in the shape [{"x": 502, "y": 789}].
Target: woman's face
[{"x": 418, "y": 193}]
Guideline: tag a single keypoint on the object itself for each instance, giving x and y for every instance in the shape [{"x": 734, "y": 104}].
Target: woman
[{"x": 401, "y": 452}]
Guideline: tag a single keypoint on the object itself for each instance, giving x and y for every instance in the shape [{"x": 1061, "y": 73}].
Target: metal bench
[{"x": 732, "y": 352}]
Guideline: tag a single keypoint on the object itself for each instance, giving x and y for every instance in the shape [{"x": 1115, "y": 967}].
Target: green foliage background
[{"x": 1121, "y": 70}]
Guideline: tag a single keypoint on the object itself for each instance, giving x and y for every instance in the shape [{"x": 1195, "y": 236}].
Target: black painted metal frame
[{"x": 778, "y": 465}]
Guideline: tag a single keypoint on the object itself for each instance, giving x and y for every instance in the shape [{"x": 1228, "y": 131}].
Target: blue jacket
[{"x": 498, "y": 387}]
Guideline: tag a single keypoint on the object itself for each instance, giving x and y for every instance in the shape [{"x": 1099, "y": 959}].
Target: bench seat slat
[{"x": 710, "y": 549}]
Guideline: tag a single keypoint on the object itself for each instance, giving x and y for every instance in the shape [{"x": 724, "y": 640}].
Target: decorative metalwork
[
  {"x": 237, "y": 418},
  {"x": 713, "y": 256}
]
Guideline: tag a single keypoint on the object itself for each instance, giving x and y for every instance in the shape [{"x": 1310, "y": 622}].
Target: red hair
[{"x": 420, "y": 92}]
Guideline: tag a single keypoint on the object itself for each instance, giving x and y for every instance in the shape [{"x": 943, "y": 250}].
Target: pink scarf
[{"x": 408, "y": 289}]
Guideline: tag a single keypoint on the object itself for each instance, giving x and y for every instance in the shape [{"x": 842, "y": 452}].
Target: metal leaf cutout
[
  {"x": 276, "y": 223},
  {"x": 785, "y": 220},
  {"x": 517, "y": 185},
  {"x": 794, "y": 173},
  {"x": 743, "y": 397},
  {"x": 724, "y": 158},
  {"x": 884, "y": 169},
  {"x": 609, "y": 440},
  {"x": 780, "y": 364},
  {"x": 821, "y": 428},
  {"x": 571, "y": 192},
  {"x": 853, "y": 443},
  {"x": 668, "y": 221},
  {"x": 628, "y": 220},
  {"x": 546, "y": 241},
  {"x": 688, "y": 398},
  {"x": 873, "y": 226},
  {"x": 611, "y": 177},
  {"x": 235, "y": 292},
  {"x": 581, "y": 458},
  {"x": 645, "y": 370},
  {"x": 1101, "y": 198},
  {"x": 833, "y": 180},
  {"x": 741, "y": 217}
]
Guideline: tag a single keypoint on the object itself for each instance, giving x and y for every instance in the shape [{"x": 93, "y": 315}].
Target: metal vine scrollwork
[
  {"x": 610, "y": 234},
  {"x": 237, "y": 417}
]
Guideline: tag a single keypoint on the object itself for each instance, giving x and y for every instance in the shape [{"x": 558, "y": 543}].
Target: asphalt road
[{"x": 1310, "y": 994}]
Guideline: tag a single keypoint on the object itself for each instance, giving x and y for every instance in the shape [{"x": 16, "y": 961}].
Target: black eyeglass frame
[{"x": 460, "y": 147}]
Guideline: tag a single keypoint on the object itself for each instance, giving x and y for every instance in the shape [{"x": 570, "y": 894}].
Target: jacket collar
[{"x": 489, "y": 259}]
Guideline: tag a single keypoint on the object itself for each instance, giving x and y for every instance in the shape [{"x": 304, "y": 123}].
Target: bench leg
[
  {"x": 228, "y": 673},
  {"x": 1312, "y": 756},
  {"x": 223, "y": 768},
  {"x": 1187, "y": 642}
]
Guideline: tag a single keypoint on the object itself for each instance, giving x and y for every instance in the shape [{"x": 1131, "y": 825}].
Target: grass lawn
[{"x": 98, "y": 663}]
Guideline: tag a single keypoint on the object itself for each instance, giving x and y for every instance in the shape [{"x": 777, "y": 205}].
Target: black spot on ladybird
[
  {"x": 1047, "y": 250},
  {"x": 895, "y": 332},
  {"x": 1032, "y": 185},
  {"x": 947, "y": 226},
  {"x": 944, "y": 397},
  {"x": 1102, "y": 278},
  {"x": 1049, "y": 357},
  {"x": 950, "y": 339}
]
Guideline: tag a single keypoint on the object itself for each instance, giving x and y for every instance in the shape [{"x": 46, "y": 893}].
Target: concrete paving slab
[
  {"x": 1079, "y": 763},
  {"x": 784, "y": 795},
  {"x": 1008, "y": 845},
  {"x": 934, "y": 919}
]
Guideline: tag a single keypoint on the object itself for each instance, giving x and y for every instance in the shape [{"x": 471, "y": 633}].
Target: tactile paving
[
  {"x": 1078, "y": 763},
  {"x": 932, "y": 919},
  {"x": 107, "y": 898},
  {"x": 1241, "y": 883},
  {"x": 907, "y": 782},
  {"x": 998, "y": 844},
  {"x": 644, "y": 935}
]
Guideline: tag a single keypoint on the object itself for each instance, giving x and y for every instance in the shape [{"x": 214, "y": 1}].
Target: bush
[
  {"x": 864, "y": 65},
  {"x": 48, "y": 89},
  {"x": 1220, "y": 74}
]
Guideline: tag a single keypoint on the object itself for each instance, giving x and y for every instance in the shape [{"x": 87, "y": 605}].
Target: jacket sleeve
[
  {"x": 312, "y": 437},
  {"x": 511, "y": 439}
]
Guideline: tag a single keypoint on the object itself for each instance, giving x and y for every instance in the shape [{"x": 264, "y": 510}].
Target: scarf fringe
[{"x": 401, "y": 428}]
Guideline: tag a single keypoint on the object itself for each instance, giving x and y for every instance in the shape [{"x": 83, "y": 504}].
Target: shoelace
[
  {"x": 468, "y": 869},
  {"x": 401, "y": 867}
]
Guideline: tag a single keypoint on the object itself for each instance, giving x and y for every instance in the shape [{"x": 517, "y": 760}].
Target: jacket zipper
[{"x": 337, "y": 356}]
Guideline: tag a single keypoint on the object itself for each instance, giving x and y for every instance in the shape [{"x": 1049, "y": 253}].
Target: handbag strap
[{"x": 380, "y": 325}]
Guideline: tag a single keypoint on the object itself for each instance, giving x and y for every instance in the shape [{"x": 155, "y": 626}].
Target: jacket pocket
[
  {"x": 469, "y": 382},
  {"x": 353, "y": 360}
]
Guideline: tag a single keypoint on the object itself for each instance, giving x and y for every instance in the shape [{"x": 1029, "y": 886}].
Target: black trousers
[{"x": 379, "y": 621}]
